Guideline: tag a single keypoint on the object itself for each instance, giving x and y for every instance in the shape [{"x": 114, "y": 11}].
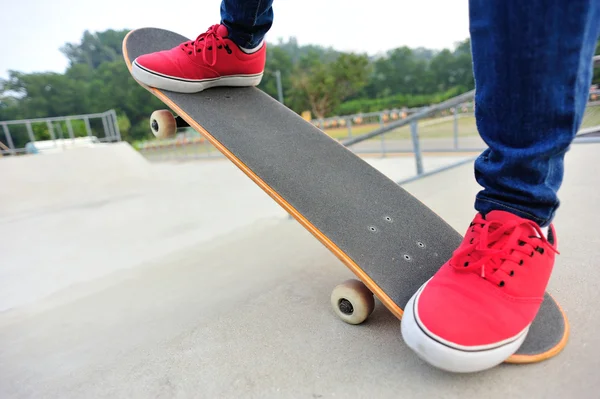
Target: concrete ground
[
  {"x": 469, "y": 143},
  {"x": 163, "y": 288}
]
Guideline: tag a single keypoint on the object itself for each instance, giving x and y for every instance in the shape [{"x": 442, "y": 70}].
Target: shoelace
[
  {"x": 492, "y": 249},
  {"x": 211, "y": 39}
]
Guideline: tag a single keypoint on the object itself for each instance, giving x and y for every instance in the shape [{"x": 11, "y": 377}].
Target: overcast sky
[{"x": 32, "y": 31}]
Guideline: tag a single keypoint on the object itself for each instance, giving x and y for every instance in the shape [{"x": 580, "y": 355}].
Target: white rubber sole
[
  {"x": 451, "y": 357},
  {"x": 178, "y": 85}
]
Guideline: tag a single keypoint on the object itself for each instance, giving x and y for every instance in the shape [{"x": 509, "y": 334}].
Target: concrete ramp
[
  {"x": 69, "y": 231},
  {"x": 74, "y": 176}
]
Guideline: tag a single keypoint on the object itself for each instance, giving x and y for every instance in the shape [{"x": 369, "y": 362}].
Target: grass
[
  {"x": 591, "y": 116},
  {"x": 427, "y": 129},
  {"x": 443, "y": 127},
  {"x": 342, "y": 132}
]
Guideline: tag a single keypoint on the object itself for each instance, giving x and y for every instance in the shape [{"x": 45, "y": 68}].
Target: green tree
[
  {"x": 8, "y": 104},
  {"x": 452, "y": 69},
  {"x": 112, "y": 87},
  {"x": 277, "y": 60},
  {"x": 96, "y": 48},
  {"x": 46, "y": 94},
  {"x": 325, "y": 85},
  {"x": 420, "y": 71},
  {"x": 399, "y": 71}
]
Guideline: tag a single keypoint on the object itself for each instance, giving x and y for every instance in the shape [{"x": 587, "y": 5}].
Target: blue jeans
[
  {"x": 532, "y": 62},
  {"x": 247, "y": 20}
]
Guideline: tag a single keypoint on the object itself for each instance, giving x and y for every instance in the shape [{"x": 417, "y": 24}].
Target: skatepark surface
[{"x": 125, "y": 279}]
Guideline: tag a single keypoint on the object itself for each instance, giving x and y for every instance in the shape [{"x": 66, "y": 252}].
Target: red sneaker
[
  {"x": 210, "y": 60},
  {"x": 475, "y": 312}
]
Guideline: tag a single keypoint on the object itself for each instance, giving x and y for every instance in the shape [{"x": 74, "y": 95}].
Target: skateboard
[{"x": 390, "y": 240}]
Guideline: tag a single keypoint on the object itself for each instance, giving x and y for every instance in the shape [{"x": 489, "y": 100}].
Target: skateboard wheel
[
  {"x": 352, "y": 301},
  {"x": 163, "y": 124}
]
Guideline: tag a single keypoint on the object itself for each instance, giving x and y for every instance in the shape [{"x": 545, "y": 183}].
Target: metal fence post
[
  {"x": 111, "y": 126},
  {"x": 105, "y": 127},
  {"x": 30, "y": 132},
  {"x": 416, "y": 147},
  {"x": 349, "y": 124},
  {"x": 382, "y": 124},
  {"x": 70, "y": 129},
  {"x": 116, "y": 124},
  {"x": 51, "y": 131},
  {"x": 60, "y": 130},
  {"x": 88, "y": 128},
  {"x": 456, "y": 127},
  {"x": 279, "y": 85},
  {"x": 9, "y": 140}
]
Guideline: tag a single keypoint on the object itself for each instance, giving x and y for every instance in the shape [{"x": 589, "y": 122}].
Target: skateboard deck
[{"x": 390, "y": 240}]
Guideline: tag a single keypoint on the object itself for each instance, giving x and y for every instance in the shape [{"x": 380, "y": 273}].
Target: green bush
[{"x": 396, "y": 101}]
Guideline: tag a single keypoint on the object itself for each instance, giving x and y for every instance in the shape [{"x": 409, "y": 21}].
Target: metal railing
[
  {"x": 447, "y": 128},
  {"x": 423, "y": 113},
  {"x": 442, "y": 134},
  {"x": 22, "y": 136},
  {"x": 420, "y": 134}
]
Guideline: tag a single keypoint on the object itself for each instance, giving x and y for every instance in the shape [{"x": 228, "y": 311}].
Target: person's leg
[
  {"x": 247, "y": 21},
  {"x": 232, "y": 53},
  {"x": 532, "y": 63},
  {"x": 533, "y": 66}
]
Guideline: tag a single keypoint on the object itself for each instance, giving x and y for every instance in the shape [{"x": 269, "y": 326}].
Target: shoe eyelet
[
  {"x": 540, "y": 250},
  {"x": 521, "y": 262},
  {"x": 210, "y": 47},
  {"x": 512, "y": 273},
  {"x": 220, "y": 46},
  {"x": 531, "y": 255},
  {"x": 466, "y": 264},
  {"x": 501, "y": 284},
  {"x": 189, "y": 52}
]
